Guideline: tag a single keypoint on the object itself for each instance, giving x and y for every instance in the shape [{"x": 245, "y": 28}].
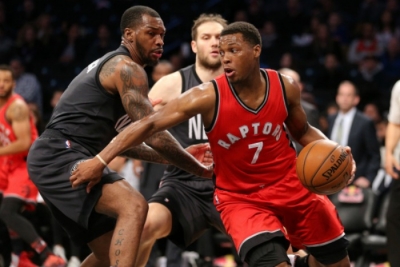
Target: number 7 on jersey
[{"x": 259, "y": 146}]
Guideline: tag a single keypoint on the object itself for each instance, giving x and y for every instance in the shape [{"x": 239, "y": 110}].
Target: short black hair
[
  {"x": 249, "y": 32},
  {"x": 132, "y": 17},
  {"x": 4, "y": 67}
]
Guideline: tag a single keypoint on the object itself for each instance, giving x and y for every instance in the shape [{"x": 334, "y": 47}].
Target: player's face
[
  {"x": 237, "y": 57},
  {"x": 6, "y": 84},
  {"x": 150, "y": 40},
  {"x": 206, "y": 44}
]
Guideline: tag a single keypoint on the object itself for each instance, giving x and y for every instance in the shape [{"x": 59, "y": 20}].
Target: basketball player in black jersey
[{"x": 106, "y": 213}]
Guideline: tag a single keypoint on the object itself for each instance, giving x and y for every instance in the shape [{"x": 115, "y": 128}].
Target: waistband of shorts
[{"x": 52, "y": 133}]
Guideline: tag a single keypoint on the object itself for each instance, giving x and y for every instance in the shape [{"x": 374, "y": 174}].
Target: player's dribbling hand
[
  {"x": 202, "y": 152},
  {"x": 88, "y": 171},
  {"x": 353, "y": 171}
]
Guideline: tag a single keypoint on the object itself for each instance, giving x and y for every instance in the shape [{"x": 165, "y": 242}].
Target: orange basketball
[{"x": 324, "y": 167}]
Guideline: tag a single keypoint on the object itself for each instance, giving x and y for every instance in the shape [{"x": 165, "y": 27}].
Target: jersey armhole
[
  {"x": 208, "y": 129},
  {"x": 98, "y": 73},
  {"x": 183, "y": 81},
  {"x": 284, "y": 93}
]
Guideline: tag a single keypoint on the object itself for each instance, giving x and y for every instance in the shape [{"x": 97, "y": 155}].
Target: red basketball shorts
[
  {"x": 3, "y": 174},
  {"x": 285, "y": 209},
  {"x": 19, "y": 183}
]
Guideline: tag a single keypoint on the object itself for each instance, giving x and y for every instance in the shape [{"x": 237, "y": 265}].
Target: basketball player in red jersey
[
  {"x": 17, "y": 132},
  {"x": 246, "y": 112}
]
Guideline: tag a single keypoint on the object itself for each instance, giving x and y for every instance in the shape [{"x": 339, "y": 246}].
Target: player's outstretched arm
[
  {"x": 133, "y": 91},
  {"x": 143, "y": 152}
]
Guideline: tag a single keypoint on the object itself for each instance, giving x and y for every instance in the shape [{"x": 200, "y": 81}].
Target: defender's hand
[
  {"x": 202, "y": 152},
  {"x": 89, "y": 171}
]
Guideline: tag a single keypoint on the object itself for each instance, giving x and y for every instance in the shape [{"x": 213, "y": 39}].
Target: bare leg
[
  {"x": 100, "y": 248},
  {"x": 158, "y": 225},
  {"x": 121, "y": 201}
]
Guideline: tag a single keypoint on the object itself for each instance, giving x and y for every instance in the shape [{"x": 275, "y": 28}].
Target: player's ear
[
  {"x": 129, "y": 34},
  {"x": 193, "y": 44},
  {"x": 257, "y": 51}
]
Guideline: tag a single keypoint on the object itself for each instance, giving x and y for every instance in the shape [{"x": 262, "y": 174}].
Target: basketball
[{"x": 324, "y": 167}]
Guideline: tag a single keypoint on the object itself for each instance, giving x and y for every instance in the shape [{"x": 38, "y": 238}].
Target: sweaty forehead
[
  {"x": 231, "y": 39},
  {"x": 152, "y": 22}
]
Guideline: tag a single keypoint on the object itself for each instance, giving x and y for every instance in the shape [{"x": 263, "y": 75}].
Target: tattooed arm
[
  {"x": 145, "y": 153},
  {"x": 18, "y": 115},
  {"x": 130, "y": 80}
]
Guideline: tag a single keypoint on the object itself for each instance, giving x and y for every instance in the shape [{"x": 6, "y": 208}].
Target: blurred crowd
[{"x": 326, "y": 42}]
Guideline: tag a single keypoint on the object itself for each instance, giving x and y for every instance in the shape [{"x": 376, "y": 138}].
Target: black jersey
[
  {"x": 86, "y": 112},
  {"x": 189, "y": 132}
]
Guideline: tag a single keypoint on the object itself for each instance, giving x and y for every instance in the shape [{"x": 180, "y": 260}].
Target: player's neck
[{"x": 207, "y": 74}]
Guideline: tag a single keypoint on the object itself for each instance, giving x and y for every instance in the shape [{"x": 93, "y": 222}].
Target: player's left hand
[
  {"x": 202, "y": 152},
  {"x": 89, "y": 171},
  {"x": 353, "y": 171}
]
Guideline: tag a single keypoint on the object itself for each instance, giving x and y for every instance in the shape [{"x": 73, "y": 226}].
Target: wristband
[{"x": 101, "y": 160}]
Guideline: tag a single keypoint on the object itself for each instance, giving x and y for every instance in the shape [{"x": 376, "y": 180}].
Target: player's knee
[
  {"x": 331, "y": 253},
  {"x": 268, "y": 254}
]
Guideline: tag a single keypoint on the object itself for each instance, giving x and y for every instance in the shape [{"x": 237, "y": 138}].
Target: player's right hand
[
  {"x": 392, "y": 166},
  {"x": 89, "y": 171}
]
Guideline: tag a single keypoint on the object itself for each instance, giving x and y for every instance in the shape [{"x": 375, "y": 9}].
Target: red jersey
[
  {"x": 7, "y": 135},
  {"x": 251, "y": 148}
]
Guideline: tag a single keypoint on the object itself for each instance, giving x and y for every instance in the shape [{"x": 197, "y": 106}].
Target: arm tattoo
[
  {"x": 109, "y": 68},
  {"x": 135, "y": 101},
  {"x": 18, "y": 113},
  {"x": 169, "y": 148},
  {"x": 134, "y": 92},
  {"x": 145, "y": 153}
]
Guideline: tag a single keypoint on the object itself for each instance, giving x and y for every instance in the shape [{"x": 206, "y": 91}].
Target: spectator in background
[
  {"x": 337, "y": 29},
  {"x": 370, "y": 10},
  {"x": 6, "y": 46},
  {"x": 372, "y": 111},
  {"x": 322, "y": 45},
  {"x": 391, "y": 64},
  {"x": 45, "y": 35},
  {"x": 330, "y": 110},
  {"x": 29, "y": 48},
  {"x": 163, "y": 68},
  {"x": 271, "y": 43},
  {"x": 103, "y": 44},
  {"x": 327, "y": 80},
  {"x": 26, "y": 13},
  {"x": 365, "y": 45},
  {"x": 350, "y": 127},
  {"x": 72, "y": 47},
  {"x": 370, "y": 79},
  {"x": 386, "y": 28},
  {"x": 27, "y": 84}
]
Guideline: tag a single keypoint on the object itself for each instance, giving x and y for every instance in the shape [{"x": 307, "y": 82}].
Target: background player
[{"x": 17, "y": 132}]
